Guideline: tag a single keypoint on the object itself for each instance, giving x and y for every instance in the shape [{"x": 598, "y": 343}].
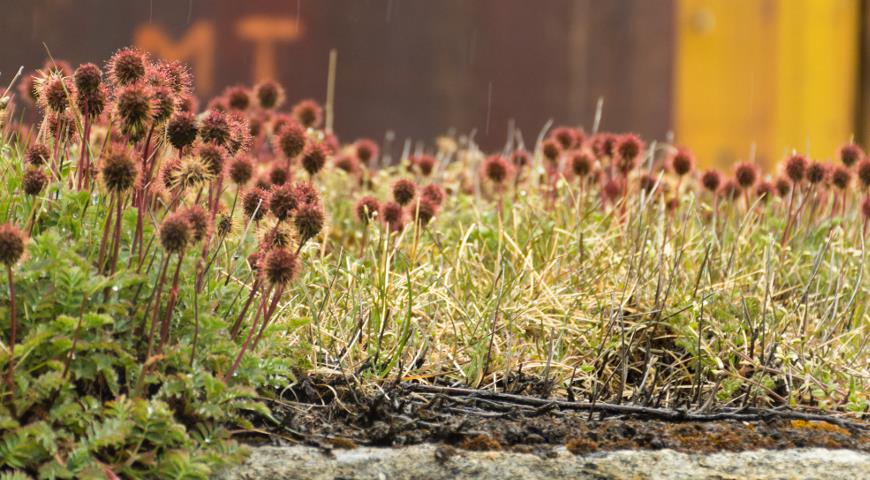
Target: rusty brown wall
[{"x": 417, "y": 67}]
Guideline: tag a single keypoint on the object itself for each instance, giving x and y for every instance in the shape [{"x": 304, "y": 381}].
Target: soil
[{"x": 336, "y": 414}]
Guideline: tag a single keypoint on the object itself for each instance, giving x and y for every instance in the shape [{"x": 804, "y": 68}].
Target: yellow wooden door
[{"x": 780, "y": 74}]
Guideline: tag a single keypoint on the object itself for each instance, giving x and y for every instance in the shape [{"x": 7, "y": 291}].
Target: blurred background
[{"x": 718, "y": 75}]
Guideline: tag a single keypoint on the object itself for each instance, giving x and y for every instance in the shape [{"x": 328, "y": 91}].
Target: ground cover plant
[{"x": 174, "y": 270}]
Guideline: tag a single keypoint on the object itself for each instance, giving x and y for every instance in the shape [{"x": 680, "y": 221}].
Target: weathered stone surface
[{"x": 423, "y": 462}]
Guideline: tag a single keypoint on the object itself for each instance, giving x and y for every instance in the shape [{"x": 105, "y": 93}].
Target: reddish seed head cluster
[
  {"x": 280, "y": 266},
  {"x": 199, "y": 222},
  {"x": 366, "y": 150},
  {"x": 269, "y": 94},
  {"x": 496, "y": 169},
  {"x": 682, "y": 162},
  {"x": 314, "y": 158},
  {"x": 746, "y": 174},
  {"x": 520, "y": 158},
  {"x": 711, "y": 180},
  {"x": 581, "y": 163},
  {"x": 434, "y": 193},
  {"x": 279, "y": 175},
  {"x": 182, "y": 129},
  {"x": 367, "y": 208},
  {"x": 291, "y": 139},
  {"x": 404, "y": 191},
  {"x": 127, "y": 67},
  {"x": 393, "y": 215},
  {"x": 34, "y": 181},
  {"x": 841, "y": 176},
  {"x": 796, "y": 168},
  {"x": 241, "y": 169},
  {"x": 424, "y": 164},
  {"x": 12, "y": 243},
  {"x": 851, "y": 154},
  {"x": 551, "y": 149},
  {"x": 118, "y": 171},
  {"x": 255, "y": 203},
  {"x": 816, "y": 172},
  {"x": 283, "y": 201},
  {"x": 309, "y": 220},
  {"x": 628, "y": 149},
  {"x": 175, "y": 232},
  {"x": 308, "y": 113},
  {"x": 37, "y": 154}
]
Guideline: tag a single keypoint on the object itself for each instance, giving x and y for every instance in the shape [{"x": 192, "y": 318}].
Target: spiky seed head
[
  {"x": 134, "y": 107},
  {"x": 29, "y": 88},
  {"x": 241, "y": 169},
  {"x": 423, "y": 211},
  {"x": 175, "y": 232},
  {"x": 347, "y": 163},
  {"x": 127, "y": 67},
  {"x": 425, "y": 164},
  {"x": 367, "y": 208},
  {"x": 520, "y": 158},
  {"x": 863, "y": 170},
  {"x": 280, "y": 266},
  {"x": 213, "y": 156},
  {"x": 164, "y": 103},
  {"x": 255, "y": 203},
  {"x": 765, "y": 190},
  {"x": 291, "y": 139},
  {"x": 404, "y": 191},
  {"x": 629, "y": 149},
  {"x": 366, "y": 150},
  {"x": 279, "y": 175},
  {"x": 841, "y": 176},
  {"x": 238, "y": 98},
  {"x": 37, "y": 154},
  {"x": 314, "y": 158},
  {"x": 118, "y": 170},
  {"x": 182, "y": 129},
  {"x": 817, "y": 172},
  {"x": 306, "y": 192},
  {"x": 309, "y": 220},
  {"x": 783, "y": 186},
  {"x": 215, "y": 128},
  {"x": 269, "y": 94},
  {"x": 496, "y": 169},
  {"x": 192, "y": 172},
  {"x": 308, "y": 113},
  {"x": 12, "y": 244},
  {"x": 604, "y": 144},
  {"x": 581, "y": 163},
  {"x": 393, "y": 215},
  {"x": 746, "y": 174},
  {"x": 177, "y": 77},
  {"x": 551, "y": 149},
  {"x": 682, "y": 162},
  {"x": 796, "y": 167},
  {"x": 33, "y": 181},
  {"x": 240, "y": 133},
  {"x": 55, "y": 92},
  {"x": 434, "y": 193},
  {"x": 850, "y": 154},
  {"x": 88, "y": 78},
  {"x": 730, "y": 189},
  {"x": 200, "y": 222},
  {"x": 92, "y": 103},
  {"x": 566, "y": 136},
  {"x": 282, "y": 201},
  {"x": 711, "y": 180},
  {"x": 168, "y": 174}
]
